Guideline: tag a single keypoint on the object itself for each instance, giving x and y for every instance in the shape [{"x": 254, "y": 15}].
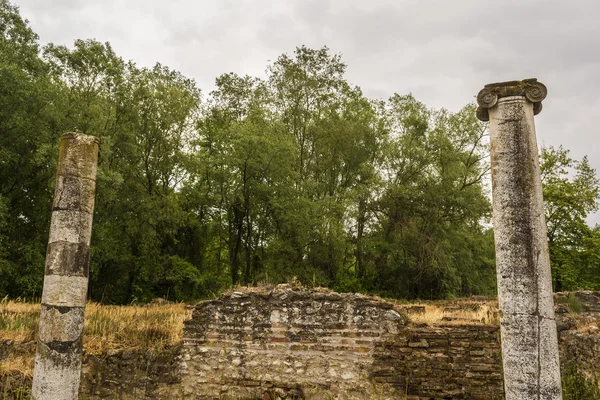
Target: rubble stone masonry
[
  {"x": 318, "y": 344},
  {"x": 315, "y": 344}
]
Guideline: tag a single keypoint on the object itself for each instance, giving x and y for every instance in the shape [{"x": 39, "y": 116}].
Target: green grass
[
  {"x": 572, "y": 302},
  {"x": 15, "y": 387},
  {"x": 577, "y": 387}
]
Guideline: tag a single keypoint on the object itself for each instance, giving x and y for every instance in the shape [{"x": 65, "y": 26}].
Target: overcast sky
[{"x": 442, "y": 52}]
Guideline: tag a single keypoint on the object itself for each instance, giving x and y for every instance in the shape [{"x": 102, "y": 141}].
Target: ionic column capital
[{"x": 531, "y": 89}]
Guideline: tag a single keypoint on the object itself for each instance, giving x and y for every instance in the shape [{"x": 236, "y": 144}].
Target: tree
[
  {"x": 337, "y": 137},
  {"x": 141, "y": 212},
  {"x": 571, "y": 190},
  {"x": 247, "y": 164},
  {"x": 297, "y": 176},
  {"x": 27, "y": 155},
  {"x": 144, "y": 119},
  {"x": 429, "y": 240}
]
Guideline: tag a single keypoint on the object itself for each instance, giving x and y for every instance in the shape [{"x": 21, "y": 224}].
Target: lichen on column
[
  {"x": 59, "y": 347},
  {"x": 528, "y": 328}
]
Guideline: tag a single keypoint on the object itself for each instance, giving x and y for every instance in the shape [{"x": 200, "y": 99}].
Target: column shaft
[
  {"x": 59, "y": 347},
  {"x": 528, "y": 328}
]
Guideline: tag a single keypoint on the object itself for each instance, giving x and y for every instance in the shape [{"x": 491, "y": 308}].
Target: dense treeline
[{"x": 295, "y": 176}]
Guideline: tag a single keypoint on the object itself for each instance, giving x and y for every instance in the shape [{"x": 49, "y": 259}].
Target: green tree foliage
[
  {"x": 571, "y": 191},
  {"x": 27, "y": 155},
  {"x": 296, "y": 175},
  {"x": 144, "y": 119},
  {"x": 428, "y": 236}
]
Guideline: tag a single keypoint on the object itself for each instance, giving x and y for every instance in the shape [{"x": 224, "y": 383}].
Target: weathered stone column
[
  {"x": 528, "y": 328},
  {"x": 59, "y": 348}
]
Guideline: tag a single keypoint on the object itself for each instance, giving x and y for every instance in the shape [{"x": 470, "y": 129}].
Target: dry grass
[
  {"x": 153, "y": 327},
  {"x": 589, "y": 325},
  {"x": 18, "y": 323},
  {"x": 485, "y": 312},
  {"x": 120, "y": 327},
  {"x": 106, "y": 327},
  {"x": 18, "y": 320},
  {"x": 20, "y": 363},
  {"x": 157, "y": 326}
]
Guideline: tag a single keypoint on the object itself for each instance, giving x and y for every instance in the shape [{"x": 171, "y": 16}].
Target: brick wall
[
  {"x": 443, "y": 362},
  {"x": 286, "y": 342},
  {"x": 295, "y": 343},
  {"x": 308, "y": 344},
  {"x": 132, "y": 374}
]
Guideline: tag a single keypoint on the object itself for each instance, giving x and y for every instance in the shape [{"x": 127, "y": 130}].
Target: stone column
[
  {"x": 59, "y": 347},
  {"x": 528, "y": 328}
]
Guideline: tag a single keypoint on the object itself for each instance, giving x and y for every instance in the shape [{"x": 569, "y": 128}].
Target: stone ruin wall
[
  {"x": 317, "y": 345},
  {"x": 320, "y": 344},
  {"x": 290, "y": 342}
]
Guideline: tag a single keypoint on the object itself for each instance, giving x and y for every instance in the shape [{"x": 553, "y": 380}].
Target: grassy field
[
  {"x": 106, "y": 327},
  {"x": 157, "y": 326}
]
